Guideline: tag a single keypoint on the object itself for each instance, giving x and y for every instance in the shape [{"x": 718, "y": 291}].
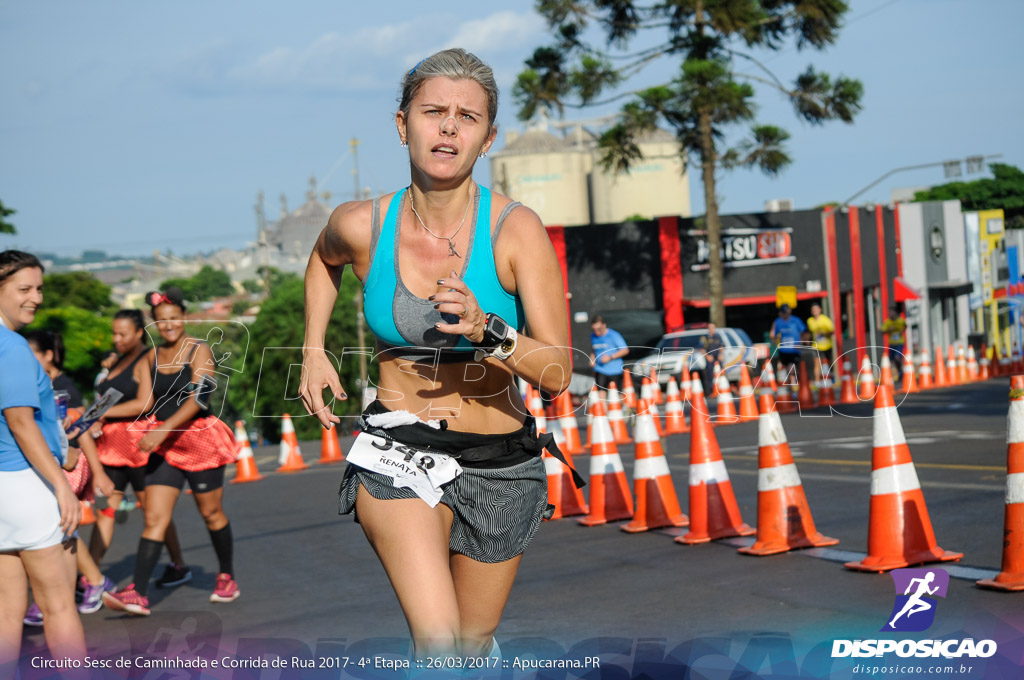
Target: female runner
[
  {"x": 451, "y": 273},
  {"x": 186, "y": 443},
  {"x": 117, "y": 444}
]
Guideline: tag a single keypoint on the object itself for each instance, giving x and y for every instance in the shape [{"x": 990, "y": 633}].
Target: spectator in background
[
  {"x": 895, "y": 327},
  {"x": 822, "y": 329},
  {"x": 711, "y": 347},
  {"x": 787, "y": 332},
  {"x": 606, "y": 359}
]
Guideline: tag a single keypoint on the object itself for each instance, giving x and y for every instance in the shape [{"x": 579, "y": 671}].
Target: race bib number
[{"x": 424, "y": 472}]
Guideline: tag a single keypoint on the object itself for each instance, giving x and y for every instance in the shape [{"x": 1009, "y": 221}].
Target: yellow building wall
[
  {"x": 554, "y": 185},
  {"x": 654, "y": 187}
]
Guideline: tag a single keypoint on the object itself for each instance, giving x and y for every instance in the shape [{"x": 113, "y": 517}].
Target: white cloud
[
  {"x": 333, "y": 61},
  {"x": 502, "y": 31}
]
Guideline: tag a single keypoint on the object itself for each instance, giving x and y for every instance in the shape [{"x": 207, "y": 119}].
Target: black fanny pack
[{"x": 484, "y": 451}]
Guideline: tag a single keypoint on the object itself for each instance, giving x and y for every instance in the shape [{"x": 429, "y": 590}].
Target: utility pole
[
  {"x": 358, "y": 300},
  {"x": 354, "y": 144}
]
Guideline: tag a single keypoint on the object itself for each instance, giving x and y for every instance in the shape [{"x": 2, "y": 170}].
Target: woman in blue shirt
[{"x": 38, "y": 511}]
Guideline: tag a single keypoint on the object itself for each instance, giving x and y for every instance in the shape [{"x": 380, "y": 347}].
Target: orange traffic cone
[
  {"x": 866, "y": 380},
  {"x": 610, "y": 497},
  {"x": 803, "y": 394},
  {"x": 675, "y": 419},
  {"x": 962, "y": 374},
  {"x": 330, "y": 447},
  {"x": 245, "y": 464},
  {"x": 926, "y": 371},
  {"x": 973, "y": 374},
  {"x": 1012, "y": 575},
  {"x": 899, "y": 528},
  {"x": 748, "y": 405},
  {"x": 886, "y": 373},
  {"x": 784, "y": 396},
  {"x": 649, "y": 406},
  {"x": 909, "y": 384},
  {"x": 784, "y": 519},
  {"x": 535, "y": 405},
  {"x": 592, "y": 398},
  {"x": 766, "y": 383},
  {"x": 290, "y": 456},
  {"x": 826, "y": 388},
  {"x": 88, "y": 516},
  {"x": 726, "y": 407},
  {"x": 615, "y": 419},
  {"x": 940, "y": 369},
  {"x": 567, "y": 423},
  {"x": 713, "y": 510},
  {"x": 656, "y": 502},
  {"x": 849, "y": 395},
  {"x": 952, "y": 374},
  {"x": 628, "y": 391},
  {"x": 656, "y": 387},
  {"x": 721, "y": 381},
  {"x": 984, "y": 365}
]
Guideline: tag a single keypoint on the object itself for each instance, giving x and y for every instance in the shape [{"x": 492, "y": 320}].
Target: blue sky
[{"x": 130, "y": 126}]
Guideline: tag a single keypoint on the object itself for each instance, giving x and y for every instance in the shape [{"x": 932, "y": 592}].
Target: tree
[
  {"x": 86, "y": 336},
  {"x": 268, "y": 386},
  {"x": 1005, "y": 189},
  {"x": 77, "y": 289},
  {"x": 5, "y": 226},
  {"x": 205, "y": 284},
  {"x": 710, "y": 38}
]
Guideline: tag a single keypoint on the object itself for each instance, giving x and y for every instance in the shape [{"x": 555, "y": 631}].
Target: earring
[
  {"x": 483, "y": 155},
  {"x": 404, "y": 144}
]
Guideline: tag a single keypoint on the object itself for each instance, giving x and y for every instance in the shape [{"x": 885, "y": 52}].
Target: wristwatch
[{"x": 499, "y": 339}]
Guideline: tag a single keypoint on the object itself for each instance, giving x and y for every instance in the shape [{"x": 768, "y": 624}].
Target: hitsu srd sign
[{"x": 746, "y": 248}]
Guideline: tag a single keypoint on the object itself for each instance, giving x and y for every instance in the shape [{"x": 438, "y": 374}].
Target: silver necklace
[{"x": 451, "y": 246}]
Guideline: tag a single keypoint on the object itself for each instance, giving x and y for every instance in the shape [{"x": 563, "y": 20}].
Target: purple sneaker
[
  {"x": 92, "y": 597},
  {"x": 34, "y": 616}
]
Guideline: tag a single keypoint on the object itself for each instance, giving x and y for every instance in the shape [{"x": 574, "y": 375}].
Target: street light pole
[{"x": 971, "y": 160}]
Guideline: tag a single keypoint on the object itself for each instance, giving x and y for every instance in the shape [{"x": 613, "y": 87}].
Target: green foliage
[
  {"x": 77, "y": 289},
  {"x": 206, "y": 284},
  {"x": 5, "y": 226},
  {"x": 269, "y": 384},
  {"x": 252, "y": 286},
  {"x": 86, "y": 336},
  {"x": 1004, "y": 190},
  {"x": 710, "y": 40}
]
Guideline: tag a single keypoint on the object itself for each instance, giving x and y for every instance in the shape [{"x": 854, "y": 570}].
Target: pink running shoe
[
  {"x": 226, "y": 590},
  {"x": 127, "y": 600}
]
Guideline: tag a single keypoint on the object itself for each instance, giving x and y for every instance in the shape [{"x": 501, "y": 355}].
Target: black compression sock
[
  {"x": 145, "y": 562},
  {"x": 223, "y": 545}
]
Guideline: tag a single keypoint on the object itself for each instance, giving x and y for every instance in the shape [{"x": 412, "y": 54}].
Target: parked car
[{"x": 679, "y": 349}]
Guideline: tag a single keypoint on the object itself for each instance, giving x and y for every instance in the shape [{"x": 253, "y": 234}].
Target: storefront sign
[{"x": 746, "y": 248}]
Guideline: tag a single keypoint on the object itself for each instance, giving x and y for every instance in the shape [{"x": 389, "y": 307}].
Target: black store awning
[{"x": 950, "y": 289}]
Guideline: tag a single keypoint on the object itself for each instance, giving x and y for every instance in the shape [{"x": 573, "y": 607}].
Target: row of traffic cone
[
  {"x": 900, "y": 532},
  {"x": 290, "y": 455}
]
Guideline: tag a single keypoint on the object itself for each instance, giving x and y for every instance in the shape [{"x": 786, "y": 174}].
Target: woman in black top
[
  {"x": 117, "y": 440},
  {"x": 185, "y": 442}
]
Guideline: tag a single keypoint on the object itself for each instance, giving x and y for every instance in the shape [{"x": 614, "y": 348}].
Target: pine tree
[{"x": 713, "y": 40}]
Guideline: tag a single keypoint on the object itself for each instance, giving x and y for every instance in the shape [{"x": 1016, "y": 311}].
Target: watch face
[{"x": 497, "y": 326}]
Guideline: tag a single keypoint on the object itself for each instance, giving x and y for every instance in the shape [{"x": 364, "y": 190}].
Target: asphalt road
[{"x": 312, "y": 587}]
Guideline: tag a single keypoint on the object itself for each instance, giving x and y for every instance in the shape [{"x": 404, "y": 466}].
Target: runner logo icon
[{"x": 914, "y": 610}]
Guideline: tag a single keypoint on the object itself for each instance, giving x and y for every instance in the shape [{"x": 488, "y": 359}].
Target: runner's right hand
[
  {"x": 318, "y": 373},
  {"x": 70, "y": 508}
]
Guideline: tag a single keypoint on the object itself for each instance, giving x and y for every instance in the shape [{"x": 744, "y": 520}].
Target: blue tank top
[{"x": 404, "y": 323}]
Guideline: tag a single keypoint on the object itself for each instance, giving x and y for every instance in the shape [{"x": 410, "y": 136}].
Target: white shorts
[{"x": 29, "y": 515}]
